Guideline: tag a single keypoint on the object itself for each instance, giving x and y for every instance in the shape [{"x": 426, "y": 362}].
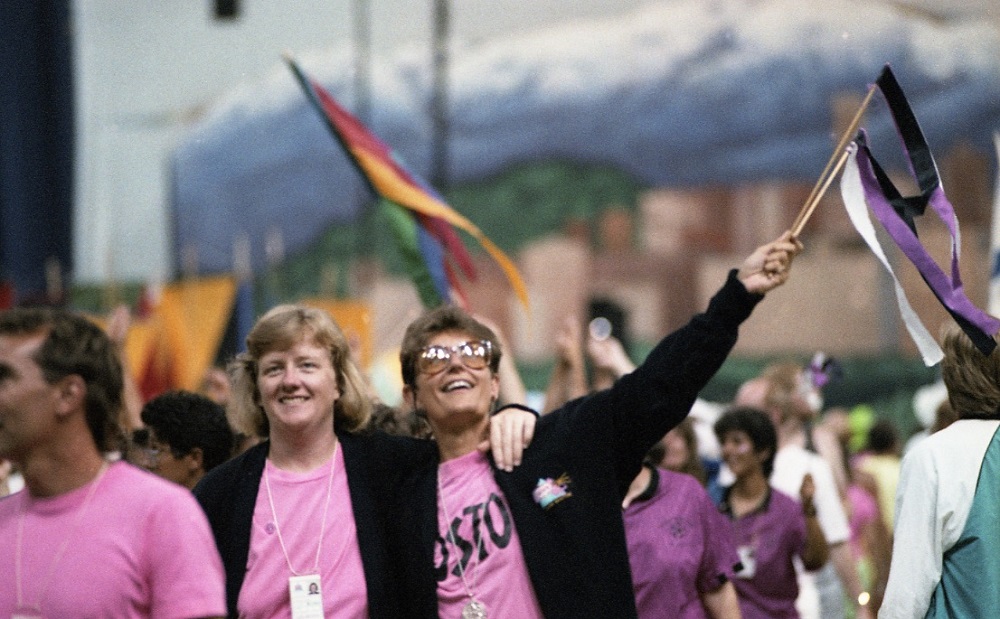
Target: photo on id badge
[{"x": 306, "y": 597}]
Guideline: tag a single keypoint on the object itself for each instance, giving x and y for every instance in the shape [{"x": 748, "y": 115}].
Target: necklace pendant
[{"x": 474, "y": 610}]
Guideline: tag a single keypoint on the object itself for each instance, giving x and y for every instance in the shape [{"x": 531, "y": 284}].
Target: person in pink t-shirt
[
  {"x": 301, "y": 511},
  {"x": 88, "y": 537},
  {"x": 475, "y": 539}
]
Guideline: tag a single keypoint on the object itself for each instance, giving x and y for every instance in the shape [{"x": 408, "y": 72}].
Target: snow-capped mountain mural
[{"x": 677, "y": 93}]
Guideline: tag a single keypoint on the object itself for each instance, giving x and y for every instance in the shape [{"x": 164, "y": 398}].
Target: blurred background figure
[
  {"x": 791, "y": 400},
  {"x": 185, "y": 436},
  {"x": 946, "y": 552},
  {"x": 879, "y": 462},
  {"x": 771, "y": 529},
  {"x": 216, "y": 386},
  {"x": 678, "y": 452},
  {"x": 677, "y": 571}
]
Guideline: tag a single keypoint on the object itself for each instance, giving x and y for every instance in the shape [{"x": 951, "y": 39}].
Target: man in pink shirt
[{"x": 88, "y": 537}]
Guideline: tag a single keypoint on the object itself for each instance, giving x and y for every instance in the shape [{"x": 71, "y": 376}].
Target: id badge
[
  {"x": 307, "y": 597},
  {"x": 749, "y": 562}
]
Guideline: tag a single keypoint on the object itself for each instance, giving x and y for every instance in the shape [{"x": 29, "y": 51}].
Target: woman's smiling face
[
  {"x": 458, "y": 392},
  {"x": 740, "y": 455},
  {"x": 298, "y": 386}
]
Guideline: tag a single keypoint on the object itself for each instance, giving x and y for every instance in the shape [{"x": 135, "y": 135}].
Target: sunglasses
[{"x": 473, "y": 355}]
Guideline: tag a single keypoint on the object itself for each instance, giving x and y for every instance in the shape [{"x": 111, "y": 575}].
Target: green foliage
[{"x": 532, "y": 201}]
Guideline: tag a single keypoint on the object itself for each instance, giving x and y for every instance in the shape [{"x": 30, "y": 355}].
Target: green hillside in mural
[{"x": 512, "y": 209}]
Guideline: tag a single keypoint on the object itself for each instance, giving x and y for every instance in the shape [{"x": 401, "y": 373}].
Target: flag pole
[
  {"x": 809, "y": 207},
  {"x": 833, "y": 166}
]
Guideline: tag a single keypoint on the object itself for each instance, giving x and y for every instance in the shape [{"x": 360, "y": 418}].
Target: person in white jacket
[{"x": 946, "y": 555}]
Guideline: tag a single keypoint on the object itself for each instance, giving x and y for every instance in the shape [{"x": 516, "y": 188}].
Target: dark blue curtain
[{"x": 36, "y": 144}]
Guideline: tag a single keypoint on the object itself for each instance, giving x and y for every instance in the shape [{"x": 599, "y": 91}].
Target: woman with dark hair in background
[{"x": 770, "y": 529}]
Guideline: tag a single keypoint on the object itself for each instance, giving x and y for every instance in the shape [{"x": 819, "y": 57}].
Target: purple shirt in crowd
[
  {"x": 679, "y": 546},
  {"x": 767, "y": 540}
]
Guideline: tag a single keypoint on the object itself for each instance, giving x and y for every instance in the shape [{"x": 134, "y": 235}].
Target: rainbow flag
[{"x": 423, "y": 223}]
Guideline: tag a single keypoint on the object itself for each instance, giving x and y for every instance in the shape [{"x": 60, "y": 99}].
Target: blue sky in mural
[{"x": 682, "y": 94}]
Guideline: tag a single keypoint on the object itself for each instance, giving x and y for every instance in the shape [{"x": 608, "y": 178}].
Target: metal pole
[
  {"x": 365, "y": 228},
  {"x": 439, "y": 98}
]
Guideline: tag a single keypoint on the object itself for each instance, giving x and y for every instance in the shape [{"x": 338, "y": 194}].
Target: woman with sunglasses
[
  {"x": 545, "y": 539},
  {"x": 302, "y": 511}
]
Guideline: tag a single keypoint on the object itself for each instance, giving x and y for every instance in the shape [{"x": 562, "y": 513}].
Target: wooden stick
[
  {"x": 823, "y": 183},
  {"x": 810, "y": 207}
]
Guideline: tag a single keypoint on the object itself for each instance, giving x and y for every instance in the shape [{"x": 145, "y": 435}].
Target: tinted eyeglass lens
[
  {"x": 474, "y": 355},
  {"x": 433, "y": 359}
]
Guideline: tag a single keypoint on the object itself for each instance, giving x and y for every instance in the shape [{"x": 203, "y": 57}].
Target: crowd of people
[{"x": 287, "y": 490}]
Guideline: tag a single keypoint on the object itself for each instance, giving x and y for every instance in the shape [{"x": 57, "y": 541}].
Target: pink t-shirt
[
  {"x": 863, "y": 511},
  {"x": 486, "y": 547},
  {"x": 299, "y": 501},
  {"x": 140, "y": 547}
]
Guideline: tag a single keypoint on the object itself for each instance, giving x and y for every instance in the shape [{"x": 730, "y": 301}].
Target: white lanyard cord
[
  {"x": 322, "y": 528},
  {"x": 62, "y": 547}
]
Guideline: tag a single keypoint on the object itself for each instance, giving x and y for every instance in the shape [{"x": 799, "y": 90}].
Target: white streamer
[{"x": 857, "y": 209}]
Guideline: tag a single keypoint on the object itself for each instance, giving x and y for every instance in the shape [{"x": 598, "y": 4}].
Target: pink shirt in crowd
[
  {"x": 299, "y": 501},
  {"x": 679, "y": 547},
  {"x": 486, "y": 549},
  {"x": 132, "y": 546}
]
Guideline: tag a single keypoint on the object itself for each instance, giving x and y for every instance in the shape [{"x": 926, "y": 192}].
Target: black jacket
[
  {"x": 575, "y": 549},
  {"x": 373, "y": 461}
]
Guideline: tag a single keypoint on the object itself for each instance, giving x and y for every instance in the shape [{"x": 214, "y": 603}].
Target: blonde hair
[
  {"x": 279, "y": 329},
  {"x": 784, "y": 380},
  {"x": 972, "y": 378}
]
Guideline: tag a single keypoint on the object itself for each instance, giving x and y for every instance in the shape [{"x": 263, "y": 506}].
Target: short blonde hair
[
  {"x": 972, "y": 378},
  {"x": 279, "y": 329}
]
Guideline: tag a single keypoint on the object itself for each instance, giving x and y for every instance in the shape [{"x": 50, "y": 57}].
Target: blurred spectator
[
  {"x": 689, "y": 572},
  {"x": 216, "y": 386},
  {"x": 678, "y": 452},
  {"x": 398, "y": 422},
  {"x": 880, "y": 460},
  {"x": 946, "y": 551},
  {"x": 88, "y": 537},
  {"x": 784, "y": 392},
  {"x": 771, "y": 530},
  {"x": 188, "y": 435}
]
